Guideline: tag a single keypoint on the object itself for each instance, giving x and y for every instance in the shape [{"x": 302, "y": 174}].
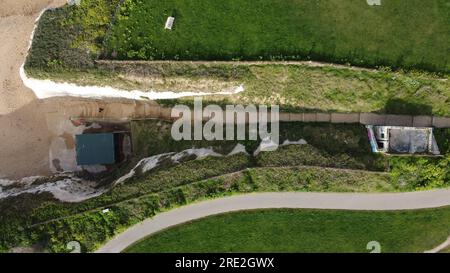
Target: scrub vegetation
[
  {"x": 424, "y": 172},
  {"x": 71, "y": 36}
]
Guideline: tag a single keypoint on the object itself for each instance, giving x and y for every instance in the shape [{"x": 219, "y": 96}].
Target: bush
[
  {"x": 71, "y": 36},
  {"x": 420, "y": 173}
]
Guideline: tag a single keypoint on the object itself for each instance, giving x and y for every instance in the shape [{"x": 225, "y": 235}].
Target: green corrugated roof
[{"x": 94, "y": 149}]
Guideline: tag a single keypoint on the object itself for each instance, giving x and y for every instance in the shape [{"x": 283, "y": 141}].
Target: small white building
[
  {"x": 169, "y": 22},
  {"x": 374, "y": 2}
]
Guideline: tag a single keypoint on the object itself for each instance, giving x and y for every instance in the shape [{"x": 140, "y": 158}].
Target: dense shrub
[
  {"x": 419, "y": 173},
  {"x": 71, "y": 36}
]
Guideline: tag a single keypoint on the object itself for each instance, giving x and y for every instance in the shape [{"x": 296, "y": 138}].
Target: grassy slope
[
  {"x": 341, "y": 90},
  {"x": 145, "y": 196},
  {"x": 289, "y": 230},
  {"x": 329, "y": 145},
  {"x": 177, "y": 185},
  {"x": 167, "y": 187},
  {"x": 293, "y": 87},
  {"x": 317, "y": 179},
  {"x": 394, "y": 34}
]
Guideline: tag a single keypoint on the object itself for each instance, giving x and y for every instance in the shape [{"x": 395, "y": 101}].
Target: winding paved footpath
[{"x": 307, "y": 200}]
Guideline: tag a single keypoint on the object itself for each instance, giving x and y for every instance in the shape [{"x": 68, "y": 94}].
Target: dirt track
[{"x": 24, "y": 138}]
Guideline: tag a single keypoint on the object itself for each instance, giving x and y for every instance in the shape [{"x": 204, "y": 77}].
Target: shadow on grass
[{"x": 397, "y": 106}]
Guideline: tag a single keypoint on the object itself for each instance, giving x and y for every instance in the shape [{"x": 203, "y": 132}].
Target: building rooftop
[{"x": 95, "y": 149}]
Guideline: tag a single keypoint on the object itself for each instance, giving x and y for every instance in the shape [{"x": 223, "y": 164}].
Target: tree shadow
[{"x": 398, "y": 106}]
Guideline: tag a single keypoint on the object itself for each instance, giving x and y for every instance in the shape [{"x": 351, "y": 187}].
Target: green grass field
[
  {"x": 397, "y": 34},
  {"x": 290, "y": 230}
]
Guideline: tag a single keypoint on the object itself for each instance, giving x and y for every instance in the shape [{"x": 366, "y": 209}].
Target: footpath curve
[{"x": 306, "y": 200}]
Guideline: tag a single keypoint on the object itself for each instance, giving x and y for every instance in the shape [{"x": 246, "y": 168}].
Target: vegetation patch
[
  {"x": 296, "y": 88},
  {"x": 424, "y": 172},
  {"x": 52, "y": 224},
  {"x": 328, "y": 145},
  {"x": 319, "y": 179},
  {"x": 68, "y": 40},
  {"x": 38, "y": 218},
  {"x": 28, "y": 219},
  {"x": 71, "y": 36}
]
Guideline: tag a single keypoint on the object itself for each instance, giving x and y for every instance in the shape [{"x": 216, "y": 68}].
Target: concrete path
[{"x": 341, "y": 201}]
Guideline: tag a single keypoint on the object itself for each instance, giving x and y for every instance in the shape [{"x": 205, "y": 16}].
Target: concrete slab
[
  {"x": 345, "y": 118},
  {"x": 309, "y": 117},
  {"x": 165, "y": 113},
  {"x": 296, "y": 117},
  {"x": 140, "y": 110},
  {"x": 152, "y": 111},
  {"x": 399, "y": 120},
  {"x": 372, "y": 119},
  {"x": 374, "y": 2},
  {"x": 119, "y": 110},
  {"x": 408, "y": 141},
  {"x": 285, "y": 117},
  {"x": 422, "y": 121},
  {"x": 323, "y": 117},
  {"x": 441, "y": 122}
]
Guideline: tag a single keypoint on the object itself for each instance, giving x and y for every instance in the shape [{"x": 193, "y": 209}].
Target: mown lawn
[
  {"x": 291, "y": 230},
  {"x": 397, "y": 34}
]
